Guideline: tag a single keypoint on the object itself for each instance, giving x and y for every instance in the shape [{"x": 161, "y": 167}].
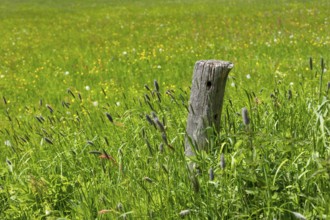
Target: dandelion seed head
[
  {"x": 248, "y": 76},
  {"x": 87, "y": 88},
  {"x": 66, "y": 73}
]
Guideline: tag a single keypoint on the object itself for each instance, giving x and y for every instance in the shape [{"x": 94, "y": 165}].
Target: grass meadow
[{"x": 77, "y": 79}]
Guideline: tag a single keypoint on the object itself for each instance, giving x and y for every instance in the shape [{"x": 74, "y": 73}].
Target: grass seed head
[
  {"x": 71, "y": 93},
  {"x": 153, "y": 114},
  {"x": 10, "y": 165},
  {"x": 322, "y": 65},
  {"x": 108, "y": 157},
  {"x": 39, "y": 119},
  {"x": 245, "y": 116},
  {"x": 211, "y": 174},
  {"x": 65, "y": 104},
  {"x": 103, "y": 91},
  {"x": 109, "y": 117},
  {"x": 311, "y": 63},
  {"x": 156, "y": 85},
  {"x": 95, "y": 152},
  {"x": 147, "y": 98},
  {"x": 222, "y": 161},
  {"x": 147, "y": 87},
  {"x": 50, "y": 108},
  {"x": 48, "y": 140},
  {"x": 159, "y": 125},
  {"x": 90, "y": 143},
  {"x": 161, "y": 148},
  {"x": 8, "y": 162},
  {"x": 164, "y": 137},
  {"x": 151, "y": 122},
  {"x": 289, "y": 94},
  {"x": 147, "y": 179},
  {"x": 158, "y": 96}
]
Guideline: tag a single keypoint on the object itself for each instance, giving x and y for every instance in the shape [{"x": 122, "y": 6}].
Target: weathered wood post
[{"x": 206, "y": 98}]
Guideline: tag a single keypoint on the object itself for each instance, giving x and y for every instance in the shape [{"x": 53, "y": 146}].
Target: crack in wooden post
[{"x": 206, "y": 99}]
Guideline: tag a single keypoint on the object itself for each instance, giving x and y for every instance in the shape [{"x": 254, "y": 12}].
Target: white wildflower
[{"x": 8, "y": 143}]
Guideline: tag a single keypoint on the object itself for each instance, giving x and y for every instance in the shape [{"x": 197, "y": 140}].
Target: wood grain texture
[{"x": 206, "y": 99}]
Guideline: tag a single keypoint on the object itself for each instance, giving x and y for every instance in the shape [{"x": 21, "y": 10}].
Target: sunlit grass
[{"x": 77, "y": 81}]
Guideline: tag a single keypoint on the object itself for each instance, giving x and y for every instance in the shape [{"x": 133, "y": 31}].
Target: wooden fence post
[{"x": 206, "y": 98}]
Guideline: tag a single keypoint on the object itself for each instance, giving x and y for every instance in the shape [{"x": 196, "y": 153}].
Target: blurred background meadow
[{"x": 77, "y": 79}]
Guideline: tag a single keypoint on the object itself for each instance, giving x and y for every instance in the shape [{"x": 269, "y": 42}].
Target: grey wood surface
[{"x": 206, "y": 99}]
